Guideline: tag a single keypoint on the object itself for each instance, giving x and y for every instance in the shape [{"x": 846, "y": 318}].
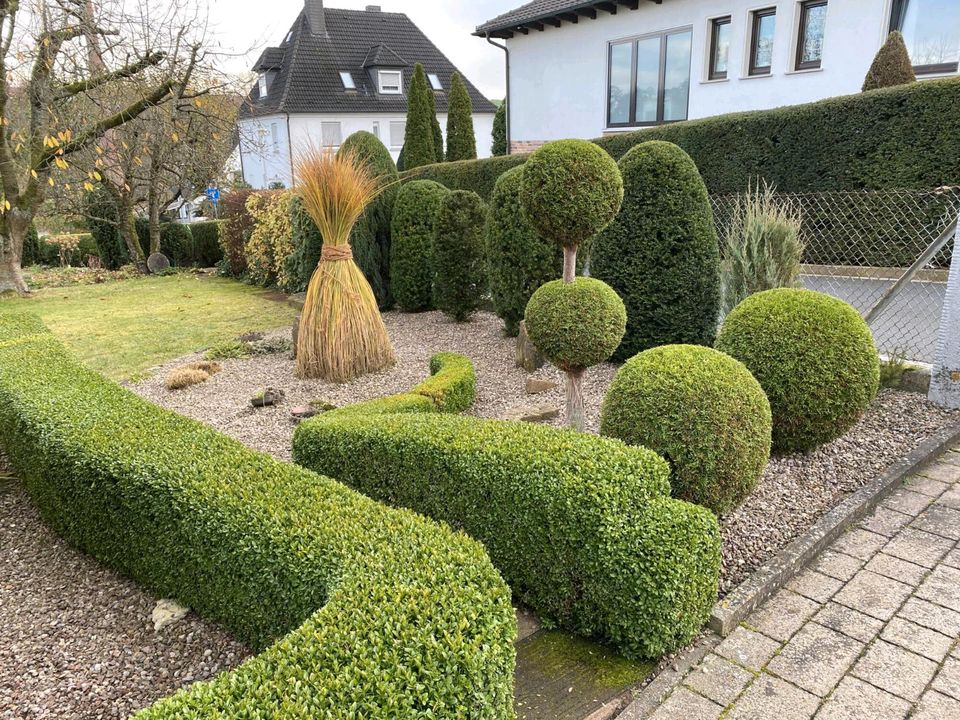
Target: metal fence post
[{"x": 945, "y": 376}]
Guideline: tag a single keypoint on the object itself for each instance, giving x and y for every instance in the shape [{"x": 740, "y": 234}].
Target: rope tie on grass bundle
[{"x": 336, "y": 253}]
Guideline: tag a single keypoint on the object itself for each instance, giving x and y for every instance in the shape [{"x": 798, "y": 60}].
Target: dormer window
[
  {"x": 390, "y": 81},
  {"x": 263, "y": 85},
  {"x": 347, "y": 80},
  {"x": 435, "y": 82}
]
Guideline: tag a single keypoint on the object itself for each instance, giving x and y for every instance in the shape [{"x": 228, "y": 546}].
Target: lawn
[{"x": 122, "y": 329}]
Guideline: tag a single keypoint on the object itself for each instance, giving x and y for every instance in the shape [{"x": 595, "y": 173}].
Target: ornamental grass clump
[{"x": 342, "y": 335}]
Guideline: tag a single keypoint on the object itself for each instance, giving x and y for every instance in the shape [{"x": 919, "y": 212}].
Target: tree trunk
[
  {"x": 569, "y": 264},
  {"x": 153, "y": 202},
  {"x": 128, "y": 232},
  {"x": 13, "y": 230},
  {"x": 576, "y": 415}
]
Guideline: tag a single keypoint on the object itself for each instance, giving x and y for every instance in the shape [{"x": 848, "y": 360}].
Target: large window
[
  {"x": 398, "y": 131},
  {"x": 931, "y": 31},
  {"x": 330, "y": 134},
  {"x": 391, "y": 82},
  {"x": 813, "y": 24},
  {"x": 719, "y": 48},
  {"x": 649, "y": 79},
  {"x": 764, "y": 24}
]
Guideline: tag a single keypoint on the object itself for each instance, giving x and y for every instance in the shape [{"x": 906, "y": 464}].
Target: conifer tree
[
  {"x": 891, "y": 66},
  {"x": 500, "y": 130},
  {"x": 418, "y": 147},
  {"x": 461, "y": 142},
  {"x": 437, "y": 132}
]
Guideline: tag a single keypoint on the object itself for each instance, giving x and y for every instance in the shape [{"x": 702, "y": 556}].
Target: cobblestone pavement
[{"x": 868, "y": 632}]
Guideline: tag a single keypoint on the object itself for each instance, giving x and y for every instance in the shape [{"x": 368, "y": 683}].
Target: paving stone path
[{"x": 868, "y": 632}]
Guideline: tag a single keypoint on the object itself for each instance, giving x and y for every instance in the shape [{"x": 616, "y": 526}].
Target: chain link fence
[{"x": 858, "y": 244}]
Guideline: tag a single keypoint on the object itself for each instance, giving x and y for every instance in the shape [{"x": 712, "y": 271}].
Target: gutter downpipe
[{"x": 506, "y": 52}]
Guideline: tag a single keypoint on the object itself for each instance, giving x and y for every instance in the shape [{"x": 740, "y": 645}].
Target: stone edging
[{"x": 776, "y": 572}]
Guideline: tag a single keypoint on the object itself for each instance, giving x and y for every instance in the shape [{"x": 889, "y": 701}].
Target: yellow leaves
[
  {"x": 34, "y": 174},
  {"x": 88, "y": 186},
  {"x": 175, "y": 136},
  {"x": 99, "y": 162},
  {"x": 18, "y": 148},
  {"x": 50, "y": 182},
  {"x": 4, "y": 121},
  {"x": 217, "y": 136},
  {"x": 62, "y": 164},
  {"x": 138, "y": 162},
  {"x": 94, "y": 175},
  {"x": 6, "y": 205},
  {"x": 99, "y": 151}
]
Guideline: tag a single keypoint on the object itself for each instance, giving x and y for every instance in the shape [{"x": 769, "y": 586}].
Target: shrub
[
  {"x": 359, "y": 609},
  {"x": 76, "y": 249},
  {"x": 411, "y": 251},
  {"x": 31, "y": 254},
  {"x": 461, "y": 141},
  {"x": 891, "y": 66},
  {"x": 176, "y": 242},
  {"x": 237, "y": 226},
  {"x": 661, "y": 253},
  {"x": 271, "y": 238},
  {"x": 452, "y": 384},
  {"x": 479, "y": 176},
  {"x": 206, "y": 243},
  {"x": 103, "y": 220},
  {"x": 518, "y": 259},
  {"x": 458, "y": 261},
  {"x": 499, "y": 146},
  {"x": 703, "y": 412},
  {"x": 581, "y": 527},
  {"x": 418, "y": 143},
  {"x": 307, "y": 243},
  {"x": 814, "y": 357},
  {"x": 576, "y": 325}
]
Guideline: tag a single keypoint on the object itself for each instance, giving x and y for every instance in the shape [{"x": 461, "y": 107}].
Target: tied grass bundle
[{"x": 342, "y": 334}]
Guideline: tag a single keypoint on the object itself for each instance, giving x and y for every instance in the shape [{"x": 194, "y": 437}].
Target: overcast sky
[{"x": 243, "y": 24}]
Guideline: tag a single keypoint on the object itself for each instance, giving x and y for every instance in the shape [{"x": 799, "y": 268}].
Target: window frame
[
  {"x": 436, "y": 86},
  {"x": 328, "y": 123},
  {"x": 383, "y": 88},
  {"x": 662, "y": 36},
  {"x": 344, "y": 78},
  {"x": 263, "y": 84},
  {"x": 798, "y": 63},
  {"x": 898, "y": 13},
  {"x": 715, "y": 25},
  {"x": 754, "y": 70},
  {"x": 397, "y": 123}
]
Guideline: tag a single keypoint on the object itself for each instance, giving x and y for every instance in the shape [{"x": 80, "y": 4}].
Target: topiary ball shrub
[
  {"x": 460, "y": 278},
  {"x": 571, "y": 190},
  {"x": 703, "y": 412},
  {"x": 661, "y": 254},
  {"x": 576, "y": 325},
  {"x": 814, "y": 357},
  {"x": 411, "y": 248}
]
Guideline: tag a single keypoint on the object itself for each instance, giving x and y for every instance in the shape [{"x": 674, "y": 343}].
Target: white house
[
  {"x": 584, "y": 69},
  {"x": 337, "y": 72}
]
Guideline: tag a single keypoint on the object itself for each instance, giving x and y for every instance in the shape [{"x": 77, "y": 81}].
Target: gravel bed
[
  {"x": 76, "y": 639},
  {"x": 793, "y": 493}
]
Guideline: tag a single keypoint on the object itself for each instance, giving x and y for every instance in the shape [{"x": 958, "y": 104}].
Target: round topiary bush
[
  {"x": 460, "y": 276},
  {"x": 576, "y": 325},
  {"x": 814, "y": 357},
  {"x": 571, "y": 190},
  {"x": 703, "y": 412},
  {"x": 411, "y": 247},
  {"x": 661, "y": 253}
]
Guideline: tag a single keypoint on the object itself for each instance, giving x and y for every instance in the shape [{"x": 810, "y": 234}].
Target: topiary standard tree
[
  {"x": 571, "y": 189},
  {"x": 661, "y": 254},
  {"x": 500, "y": 131},
  {"x": 458, "y": 259},
  {"x": 461, "y": 141},
  {"x": 411, "y": 249},
  {"x": 891, "y": 65},
  {"x": 418, "y": 145}
]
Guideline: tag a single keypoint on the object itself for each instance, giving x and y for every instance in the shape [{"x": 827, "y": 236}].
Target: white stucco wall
[
  {"x": 264, "y": 162},
  {"x": 558, "y": 78}
]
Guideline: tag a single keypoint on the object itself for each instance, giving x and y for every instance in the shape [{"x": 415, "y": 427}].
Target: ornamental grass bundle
[{"x": 342, "y": 335}]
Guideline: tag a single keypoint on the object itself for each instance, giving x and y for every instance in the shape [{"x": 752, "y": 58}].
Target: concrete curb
[{"x": 776, "y": 572}]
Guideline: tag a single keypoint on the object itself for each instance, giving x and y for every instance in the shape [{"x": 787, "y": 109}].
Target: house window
[
  {"x": 330, "y": 135},
  {"x": 435, "y": 81},
  {"x": 649, "y": 79},
  {"x": 376, "y": 129},
  {"x": 398, "y": 133},
  {"x": 931, "y": 31},
  {"x": 275, "y": 137},
  {"x": 347, "y": 80},
  {"x": 764, "y": 23},
  {"x": 719, "y": 48},
  {"x": 390, "y": 82},
  {"x": 263, "y": 85},
  {"x": 813, "y": 23}
]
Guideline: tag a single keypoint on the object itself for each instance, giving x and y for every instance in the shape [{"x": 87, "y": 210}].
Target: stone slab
[
  {"x": 784, "y": 614},
  {"x": 874, "y": 595},
  {"x": 748, "y": 648},
  {"x": 897, "y": 569},
  {"x": 857, "y": 700},
  {"x": 898, "y": 671},
  {"x": 932, "y": 616},
  {"x": 917, "y": 639},
  {"x": 769, "y": 697},
  {"x": 816, "y": 659},
  {"x": 849, "y": 622},
  {"x": 936, "y": 706},
  {"x": 685, "y": 705},
  {"x": 718, "y": 679}
]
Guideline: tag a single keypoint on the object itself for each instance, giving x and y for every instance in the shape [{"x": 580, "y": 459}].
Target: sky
[{"x": 244, "y": 27}]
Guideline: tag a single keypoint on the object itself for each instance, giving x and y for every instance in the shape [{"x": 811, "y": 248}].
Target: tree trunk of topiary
[
  {"x": 575, "y": 411},
  {"x": 569, "y": 264}
]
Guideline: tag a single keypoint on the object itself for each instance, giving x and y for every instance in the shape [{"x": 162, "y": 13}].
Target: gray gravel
[{"x": 76, "y": 639}]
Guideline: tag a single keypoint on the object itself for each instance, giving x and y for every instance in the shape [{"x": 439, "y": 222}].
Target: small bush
[
  {"x": 271, "y": 238},
  {"x": 411, "y": 252},
  {"x": 814, "y": 357},
  {"x": 661, "y": 254},
  {"x": 206, "y": 243},
  {"x": 237, "y": 226},
  {"x": 452, "y": 384},
  {"x": 271, "y": 346},
  {"x": 176, "y": 242},
  {"x": 458, "y": 261},
  {"x": 891, "y": 66},
  {"x": 228, "y": 350},
  {"x": 703, "y": 412},
  {"x": 576, "y": 325}
]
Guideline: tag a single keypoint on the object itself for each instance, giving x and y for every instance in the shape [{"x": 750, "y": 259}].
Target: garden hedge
[
  {"x": 893, "y": 138},
  {"x": 582, "y": 527},
  {"x": 661, "y": 254},
  {"x": 814, "y": 357},
  {"x": 206, "y": 243},
  {"x": 411, "y": 249},
  {"x": 360, "y": 611},
  {"x": 459, "y": 264}
]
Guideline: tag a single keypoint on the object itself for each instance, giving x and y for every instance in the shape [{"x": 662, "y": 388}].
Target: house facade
[
  {"x": 585, "y": 69},
  {"x": 338, "y": 72}
]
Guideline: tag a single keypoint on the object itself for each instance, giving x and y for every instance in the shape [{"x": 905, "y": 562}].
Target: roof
[
  {"x": 535, "y": 15},
  {"x": 307, "y": 78}
]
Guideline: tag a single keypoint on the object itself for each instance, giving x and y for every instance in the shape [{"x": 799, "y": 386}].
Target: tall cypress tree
[
  {"x": 418, "y": 147},
  {"x": 437, "y": 132},
  {"x": 500, "y": 130},
  {"x": 461, "y": 142}
]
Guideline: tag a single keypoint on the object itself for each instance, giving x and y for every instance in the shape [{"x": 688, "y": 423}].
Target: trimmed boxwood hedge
[
  {"x": 360, "y": 610},
  {"x": 582, "y": 527},
  {"x": 411, "y": 248},
  {"x": 459, "y": 262}
]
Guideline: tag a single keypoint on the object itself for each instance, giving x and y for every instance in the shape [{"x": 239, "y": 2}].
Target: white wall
[
  {"x": 558, "y": 80},
  {"x": 263, "y": 164}
]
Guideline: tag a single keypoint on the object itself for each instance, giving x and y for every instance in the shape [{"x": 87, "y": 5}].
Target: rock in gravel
[
  {"x": 166, "y": 613},
  {"x": 528, "y": 357},
  {"x": 537, "y": 387},
  {"x": 268, "y": 397},
  {"x": 533, "y": 413},
  {"x": 303, "y": 412}
]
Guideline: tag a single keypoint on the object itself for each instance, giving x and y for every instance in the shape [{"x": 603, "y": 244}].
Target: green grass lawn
[{"x": 123, "y": 328}]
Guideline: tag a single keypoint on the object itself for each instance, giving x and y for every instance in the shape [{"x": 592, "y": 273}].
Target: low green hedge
[
  {"x": 206, "y": 243},
  {"x": 360, "y": 610},
  {"x": 452, "y": 384},
  {"x": 479, "y": 176},
  {"x": 582, "y": 527}
]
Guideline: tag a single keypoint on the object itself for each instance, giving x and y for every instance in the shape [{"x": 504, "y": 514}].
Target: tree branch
[{"x": 131, "y": 70}]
